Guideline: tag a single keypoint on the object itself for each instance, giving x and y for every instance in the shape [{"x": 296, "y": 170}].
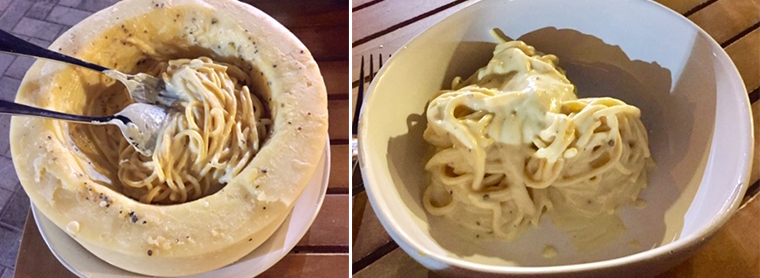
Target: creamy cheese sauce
[
  {"x": 513, "y": 142},
  {"x": 206, "y": 151},
  {"x": 549, "y": 252}
]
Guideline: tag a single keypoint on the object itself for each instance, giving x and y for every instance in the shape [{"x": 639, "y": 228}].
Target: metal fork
[
  {"x": 358, "y": 184},
  {"x": 142, "y": 87}
]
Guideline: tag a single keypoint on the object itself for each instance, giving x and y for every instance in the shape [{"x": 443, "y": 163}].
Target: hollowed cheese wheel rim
[{"x": 213, "y": 231}]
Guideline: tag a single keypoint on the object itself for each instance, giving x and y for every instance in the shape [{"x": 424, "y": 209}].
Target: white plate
[{"x": 84, "y": 264}]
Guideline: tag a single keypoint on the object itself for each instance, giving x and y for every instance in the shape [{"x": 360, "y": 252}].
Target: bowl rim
[{"x": 682, "y": 244}]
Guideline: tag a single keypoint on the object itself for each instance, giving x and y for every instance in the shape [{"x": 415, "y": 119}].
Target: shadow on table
[{"x": 597, "y": 69}]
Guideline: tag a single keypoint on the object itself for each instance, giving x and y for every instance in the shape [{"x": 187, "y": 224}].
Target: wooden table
[
  {"x": 383, "y": 26},
  {"x": 323, "y": 252}
]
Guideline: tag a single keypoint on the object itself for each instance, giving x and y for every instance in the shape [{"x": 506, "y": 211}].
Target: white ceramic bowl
[{"x": 693, "y": 103}]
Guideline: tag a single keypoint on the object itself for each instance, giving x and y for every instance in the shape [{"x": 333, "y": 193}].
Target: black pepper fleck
[
  {"x": 264, "y": 171},
  {"x": 214, "y": 21},
  {"x": 265, "y": 208},
  {"x": 134, "y": 219},
  {"x": 301, "y": 51},
  {"x": 150, "y": 252},
  {"x": 274, "y": 66},
  {"x": 250, "y": 239},
  {"x": 486, "y": 197}
]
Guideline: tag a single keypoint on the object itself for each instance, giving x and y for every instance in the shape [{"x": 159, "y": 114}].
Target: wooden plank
[
  {"x": 370, "y": 235},
  {"x": 338, "y": 110},
  {"x": 330, "y": 228},
  {"x": 727, "y": 18},
  {"x": 34, "y": 258},
  {"x": 339, "y": 167},
  {"x": 309, "y": 265},
  {"x": 394, "y": 264},
  {"x": 298, "y": 13},
  {"x": 681, "y": 6},
  {"x": 389, "y": 13},
  {"x": 357, "y": 3},
  {"x": 358, "y": 204},
  {"x": 745, "y": 53},
  {"x": 335, "y": 74},
  {"x": 732, "y": 252},
  {"x": 389, "y": 43},
  {"x": 333, "y": 49}
]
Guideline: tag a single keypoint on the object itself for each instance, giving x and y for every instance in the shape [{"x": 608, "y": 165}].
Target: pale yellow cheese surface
[{"x": 70, "y": 181}]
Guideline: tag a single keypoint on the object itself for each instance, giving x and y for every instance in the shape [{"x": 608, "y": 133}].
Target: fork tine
[
  {"x": 380, "y": 56},
  {"x": 359, "y": 99},
  {"x": 371, "y": 68}
]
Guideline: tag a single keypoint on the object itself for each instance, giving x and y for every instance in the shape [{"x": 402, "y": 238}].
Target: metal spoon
[
  {"x": 142, "y": 87},
  {"x": 139, "y": 122}
]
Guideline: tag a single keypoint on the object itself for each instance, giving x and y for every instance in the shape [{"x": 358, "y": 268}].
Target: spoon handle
[
  {"x": 13, "y": 44},
  {"x": 12, "y": 108}
]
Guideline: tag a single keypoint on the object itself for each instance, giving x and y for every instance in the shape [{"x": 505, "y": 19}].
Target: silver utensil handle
[
  {"x": 12, "y": 108},
  {"x": 12, "y": 44}
]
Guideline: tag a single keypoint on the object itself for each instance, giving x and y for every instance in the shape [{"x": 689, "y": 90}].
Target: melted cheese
[{"x": 513, "y": 141}]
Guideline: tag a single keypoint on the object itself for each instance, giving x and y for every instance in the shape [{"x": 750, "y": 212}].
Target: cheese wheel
[{"x": 54, "y": 160}]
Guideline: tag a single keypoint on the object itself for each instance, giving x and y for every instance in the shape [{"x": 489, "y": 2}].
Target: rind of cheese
[{"x": 58, "y": 175}]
